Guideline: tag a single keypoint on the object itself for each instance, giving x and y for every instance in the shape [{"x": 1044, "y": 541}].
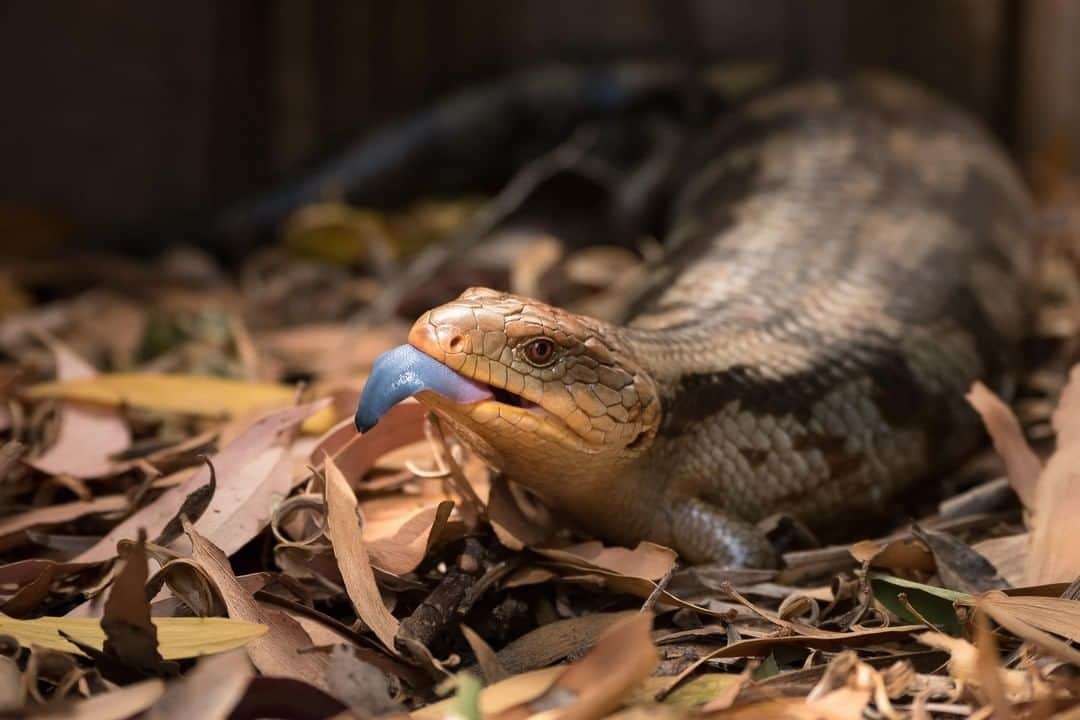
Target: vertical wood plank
[
  {"x": 1048, "y": 107},
  {"x": 240, "y": 98},
  {"x": 294, "y": 131},
  {"x": 955, "y": 46}
]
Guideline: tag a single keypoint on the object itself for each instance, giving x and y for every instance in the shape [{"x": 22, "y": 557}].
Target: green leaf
[
  {"x": 696, "y": 691},
  {"x": 767, "y": 668},
  {"x": 466, "y": 702},
  {"x": 935, "y": 605}
]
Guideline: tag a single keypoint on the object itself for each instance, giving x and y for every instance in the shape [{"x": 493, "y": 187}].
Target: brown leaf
[
  {"x": 10, "y": 453},
  {"x": 964, "y": 667},
  {"x": 243, "y": 503},
  {"x": 88, "y": 436},
  {"x": 401, "y": 426},
  {"x": 557, "y": 640},
  {"x": 623, "y": 657},
  {"x": 485, "y": 657},
  {"x": 1054, "y": 554},
  {"x": 899, "y": 554},
  {"x": 959, "y": 566},
  {"x": 358, "y": 684},
  {"x": 192, "y": 508},
  {"x": 647, "y": 560},
  {"x": 233, "y": 465},
  {"x": 343, "y": 527},
  {"x": 278, "y": 651},
  {"x": 280, "y": 697},
  {"x": 60, "y": 513},
  {"x": 1066, "y": 418},
  {"x": 331, "y": 351},
  {"x": 130, "y": 636},
  {"x": 499, "y": 698},
  {"x": 209, "y": 692},
  {"x": 1008, "y": 554},
  {"x": 34, "y": 578},
  {"x": 988, "y": 668},
  {"x": 1021, "y": 463},
  {"x": 1032, "y": 617},
  {"x": 818, "y": 640},
  {"x": 117, "y": 704},
  {"x": 516, "y": 528},
  {"x": 12, "y": 689},
  {"x": 632, "y": 585},
  {"x": 400, "y": 551}
]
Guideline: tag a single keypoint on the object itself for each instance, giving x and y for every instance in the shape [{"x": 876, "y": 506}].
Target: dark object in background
[{"x": 471, "y": 141}]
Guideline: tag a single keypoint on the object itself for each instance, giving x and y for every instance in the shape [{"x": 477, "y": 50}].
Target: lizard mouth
[
  {"x": 487, "y": 412},
  {"x": 505, "y": 397},
  {"x": 406, "y": 371}
]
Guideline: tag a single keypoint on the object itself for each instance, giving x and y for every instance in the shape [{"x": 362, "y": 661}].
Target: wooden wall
[{"x": 114, "y": 108}]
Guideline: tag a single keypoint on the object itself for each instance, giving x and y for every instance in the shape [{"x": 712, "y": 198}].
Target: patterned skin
[{"x": 843, "y": 261}]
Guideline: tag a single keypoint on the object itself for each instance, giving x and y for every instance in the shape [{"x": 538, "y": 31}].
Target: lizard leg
[{"x": 704, "y": 534}]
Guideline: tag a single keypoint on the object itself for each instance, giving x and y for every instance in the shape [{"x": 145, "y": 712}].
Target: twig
[
  {"x": 568, "y": 155},
  {"x": 657, "y": 591},
  {"x": 10, "y": 452},
  {"x": 429, "y": 621},
  {"x": 472, "y": 506}
]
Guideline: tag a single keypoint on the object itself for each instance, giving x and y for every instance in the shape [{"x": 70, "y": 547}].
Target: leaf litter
[{"x": 191, "y": 524}]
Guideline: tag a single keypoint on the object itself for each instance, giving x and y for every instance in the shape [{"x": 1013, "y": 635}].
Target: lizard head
[{"x": 536, "y": 390}]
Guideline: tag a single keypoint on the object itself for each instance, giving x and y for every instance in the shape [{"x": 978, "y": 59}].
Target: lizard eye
[{"x": 539, "y": 352}]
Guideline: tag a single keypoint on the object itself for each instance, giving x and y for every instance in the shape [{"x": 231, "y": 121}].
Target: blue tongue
[{"x": 404, "y": 371}]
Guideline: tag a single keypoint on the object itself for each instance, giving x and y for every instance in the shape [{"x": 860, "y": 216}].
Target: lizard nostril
[{"x": 456, "y": 344}]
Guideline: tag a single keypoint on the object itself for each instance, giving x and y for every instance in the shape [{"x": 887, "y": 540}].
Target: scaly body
[{"x": 844, "y": 260}]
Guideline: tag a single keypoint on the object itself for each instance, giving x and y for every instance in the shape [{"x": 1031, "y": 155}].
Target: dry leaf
[
  {"x": 352, "y": 557},
  {"x": 988, "y": 668},
  {"x": 555, "y": 641},
  {"x": 1066, "y": 418},
  {"x": 1021, "y": 463},
  {"x": 282, "y": 697},
  {"x": 12, "y": 689},
  {"x": 899, "y": 554},
  {"x": 278, "y": 651},
  {"x": 623, "y": 657},
  {"x": 200, "y": 395},
  {"x": 130, "y": 636},
  {"x": 485, "y": 657},
  {"x": 358, "y": 684},
  {"x": 959, "y": 566},
  {"x": 647, "y": 560},
  {"x": 500, "y": 697},
  {"x": 178, "y": 637},
  {"x": 34, "y": 578},
  {"x": 1054, "y": 555},
  {"x": 87, "y": 436},
  {"x": 332, "y": 351},
  {"x": 1009, "y": 555},
  {"x": 60, "y": 513},
  {"x": 244, "y": 501},
  {"x": 208, "y": 692},
  {"x": 229, "y": 464},
  {"x": 964, "y": 666},
  {"x": 125, "y": 702},
  {"x": 515, "y": 528},
  {"x": 400, "y": 549},
  {"x": 1031, "y": 618}
]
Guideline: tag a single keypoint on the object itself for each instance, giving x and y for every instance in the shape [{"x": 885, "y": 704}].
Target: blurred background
[{"x": 119, "y": 109}]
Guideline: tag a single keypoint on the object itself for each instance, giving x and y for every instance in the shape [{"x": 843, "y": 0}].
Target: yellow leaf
[
  {"x": 502, "y": 695},
  {"x": 187, "y": 394},
  {"x": 178, "y": 637}
]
